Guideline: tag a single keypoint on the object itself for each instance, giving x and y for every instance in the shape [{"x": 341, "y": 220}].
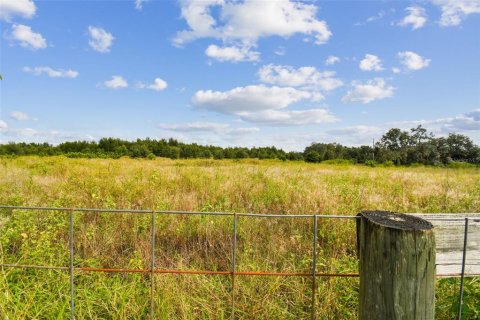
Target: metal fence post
[
  {"x": 152, "y": 268},
  {"x": 314, "y": 268},
  {"x": 72, "y": 293},
  {"x": 234, "y": 261},
  {"x": 462, "y": 276}
]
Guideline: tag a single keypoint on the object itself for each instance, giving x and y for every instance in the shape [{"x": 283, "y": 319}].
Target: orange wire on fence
[{"x": 233, "y": 272}]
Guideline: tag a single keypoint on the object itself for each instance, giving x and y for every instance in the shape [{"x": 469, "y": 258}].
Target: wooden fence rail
[{"x": 449, "y": 230}]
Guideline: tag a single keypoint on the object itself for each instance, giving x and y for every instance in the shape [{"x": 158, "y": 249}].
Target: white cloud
[
  {"x": 249, "y": 20},
  {"x": 305, "y": 77},
  {"x": 331, "y": 60},
  {"x": 466, "y": 122},
  {"x": 251, "y": 98},
  {"x": 290, "y": 117},
  {"x": 157, "y": 85},
  {"x": 396, "y": 70},
  {"x": 356, "y": 135},
  {"x": 259, "y": 103},
  {"x": 412, "y": 60},
  {"x": 371, "y": 63},
  {"x": 214, "y": 127},
  {"x": 117, "y": 82},
  {"x": 27, "y": 38},
  {"x": 100, "y": 39},
  {"x": 232, "y": 53},
  {"x": 372, "y": 90},
  {"x": 378, "y": 16},
  {"x": 3, "y": 125},
  {"x": 40, "y": 136},
  {"x": 455, "y": 11},
  {"x": 52, "y": 73},
  {"x": 19, "y": 116},
  {"x": 416, "y": 17},
  {"x": 469, "y": 121},
  {"x": 139, "y": 4},
  {"x": 11, "y": 8}
]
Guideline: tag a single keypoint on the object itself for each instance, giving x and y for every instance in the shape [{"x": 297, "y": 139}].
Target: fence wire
[{"x": 232, "y": 273}]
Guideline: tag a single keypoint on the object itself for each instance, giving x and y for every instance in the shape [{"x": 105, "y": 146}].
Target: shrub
[
  {"x": 312, "y": 156},
  {"x": 371, "y": 163},
  {"x": 343, "y": 162},
  {"x": 460, "y": 164},
  {"x": 388, "y": 163}
]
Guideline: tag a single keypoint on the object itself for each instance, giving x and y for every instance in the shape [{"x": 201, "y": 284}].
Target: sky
[{"x": 238, "y": 73}]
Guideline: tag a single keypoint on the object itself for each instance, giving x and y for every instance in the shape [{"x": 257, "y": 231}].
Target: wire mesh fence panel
[{"x": 138, "y": 264}]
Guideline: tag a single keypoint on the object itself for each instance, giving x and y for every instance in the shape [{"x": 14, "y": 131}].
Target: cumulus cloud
[
  {"x": 249, "y": 20},
  {"x": 416, "y": 17},
  {"x": 304, "y": 77},
  {"x": 3, "y": 125},
  {"x": 331, "y": 60},
  {"x": 262, "y": 104},
  {"x": 27, "y": 38},
  {"x": 376, "y": 89},
  {"x": 412, "y": 60},
  {"x": 117, "y": 82},
  {"x": 232, "y": 53},
  {"x": 52, "y": 73},
  {"x": 251, "y": 98},
  {"x": 157, "y": 85},
  {"x": 11, "y": 8},
  {"x": 100, "y": 39},
  {"x": 455, "y": 11},
  {"x": 19, "y": 116},
  {"x": 371, "y": 63}
]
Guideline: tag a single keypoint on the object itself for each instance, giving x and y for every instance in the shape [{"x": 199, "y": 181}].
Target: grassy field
[{"x": 204, "y": 242}]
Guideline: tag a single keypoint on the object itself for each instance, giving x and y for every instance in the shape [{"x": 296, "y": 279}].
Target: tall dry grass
[{"x": 203, "y": 242}]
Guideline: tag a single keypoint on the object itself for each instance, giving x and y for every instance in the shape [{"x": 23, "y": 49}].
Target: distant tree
[{"x": 312, "y": 156}]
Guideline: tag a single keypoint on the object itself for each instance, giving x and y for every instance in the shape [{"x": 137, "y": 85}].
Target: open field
[{"x": 204, "y": 243}]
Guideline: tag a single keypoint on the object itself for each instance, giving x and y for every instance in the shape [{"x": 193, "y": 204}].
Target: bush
[
  {"x": 370, "y": 163},
  {"x": 388, "y": 163},
  {"x": 416, "y": 165},
  {"x": 460, "y": 164},
  {"x": 312, "y": 156},
  {"x": 343, "y": 162},
  {"x": 151, "y": 156}
]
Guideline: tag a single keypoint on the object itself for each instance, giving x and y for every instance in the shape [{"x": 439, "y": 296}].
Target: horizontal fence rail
[{"x": 445, "y": 221}]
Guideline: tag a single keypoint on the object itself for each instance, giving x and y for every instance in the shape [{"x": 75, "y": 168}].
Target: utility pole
[{"x": 373, "y": 150}]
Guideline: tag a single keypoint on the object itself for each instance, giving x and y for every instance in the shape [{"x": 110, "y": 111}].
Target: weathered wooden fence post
[{"x": 397, "y": 266}]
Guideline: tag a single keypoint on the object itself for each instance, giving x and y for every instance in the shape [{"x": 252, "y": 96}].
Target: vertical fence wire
[
  {"x": 72, "y": 293},
  {"x": 314, "y": 268},
  {"x": 234, "y": 261},
  {"x": 462, "y": 276},
  {"x": 152, "y": 268}
]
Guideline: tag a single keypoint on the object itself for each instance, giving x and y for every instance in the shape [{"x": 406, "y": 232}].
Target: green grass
[{"x": 204, "y": 242}]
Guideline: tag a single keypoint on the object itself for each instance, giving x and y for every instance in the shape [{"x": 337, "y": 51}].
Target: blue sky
[{"x": 248, "y": 73}]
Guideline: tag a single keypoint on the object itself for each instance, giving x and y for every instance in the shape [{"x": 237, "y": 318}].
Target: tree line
[{"x": 396, "y": 147}]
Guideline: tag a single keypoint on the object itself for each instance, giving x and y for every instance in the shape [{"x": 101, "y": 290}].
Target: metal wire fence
[{"x": 233, "y": 272}]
